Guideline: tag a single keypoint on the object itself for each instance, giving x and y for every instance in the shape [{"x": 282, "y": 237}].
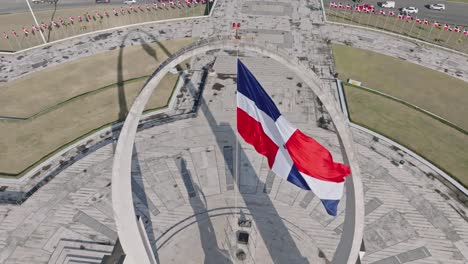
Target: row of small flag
[
  {"x": 88, "y": 18},
  {"x": 370, "y": 9}
]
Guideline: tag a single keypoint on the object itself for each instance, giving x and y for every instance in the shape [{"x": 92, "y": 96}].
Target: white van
[{"x": 389, "y": 4}]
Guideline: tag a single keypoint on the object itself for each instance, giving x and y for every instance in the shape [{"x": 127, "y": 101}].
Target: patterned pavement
[{"x": 184, "y": 180}]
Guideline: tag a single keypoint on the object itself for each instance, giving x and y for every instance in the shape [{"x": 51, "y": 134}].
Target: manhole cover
[{"x": 241, "y": 255}]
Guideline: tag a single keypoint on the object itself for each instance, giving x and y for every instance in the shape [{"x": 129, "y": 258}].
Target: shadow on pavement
[{"x": 213, "y": 254}]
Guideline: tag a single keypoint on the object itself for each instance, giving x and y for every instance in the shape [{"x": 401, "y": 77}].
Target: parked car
[
  {"x": 389, "y": 4},
  {"x": 102, "y": 1},
  {"x": 129, "y": 2},
  {"x": 437, "y": 6},
  {"x": 410, "y": 10},
  {"x": 37, "y": 1}
]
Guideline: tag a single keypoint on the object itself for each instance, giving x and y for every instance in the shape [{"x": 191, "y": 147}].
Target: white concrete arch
[{"x": 133, "y": 241}]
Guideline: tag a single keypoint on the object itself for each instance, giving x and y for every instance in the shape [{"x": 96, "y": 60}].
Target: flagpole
[
  {"x": 420, "y": 29},
  {"x": 35, "y": 20},
  {"x": 411, "y": 30},
  {"x": 394, "y": 24},
  {"x": 429, "y": 35},
  {"x": 386, "y": 19},
  {"x": 450, "y": 36},
  {"x": 440, "y": 33}
]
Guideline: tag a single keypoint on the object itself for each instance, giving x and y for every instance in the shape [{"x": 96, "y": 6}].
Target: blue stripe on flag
[
  {"x": 251, "y": 88},
  {"x": 295, "y": 178},
  {"x": 331, "y": 206}
]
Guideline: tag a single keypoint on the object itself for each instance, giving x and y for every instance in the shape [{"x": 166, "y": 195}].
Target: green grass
[
  {"x": 423, "y": 32},
  {"x": 71, "y": 106},
  {"x": 444, "y": 146},
  {"x": 431, "y": 90}
]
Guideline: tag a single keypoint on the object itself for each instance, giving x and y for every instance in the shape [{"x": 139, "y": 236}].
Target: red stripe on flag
[
  {"x": 313, "y": 159},
  {"x": 252, "y": 132}
]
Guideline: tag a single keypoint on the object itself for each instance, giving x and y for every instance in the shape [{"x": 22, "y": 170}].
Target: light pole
[{"x": 35, "y": 20}]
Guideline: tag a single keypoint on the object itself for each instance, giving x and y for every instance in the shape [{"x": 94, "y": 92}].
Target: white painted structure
[{"x": 132, "y": 237}]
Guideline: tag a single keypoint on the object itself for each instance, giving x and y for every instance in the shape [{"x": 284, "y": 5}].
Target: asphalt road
[
  {"x": 16, "y": 6},
  {"x": 454, "y": 14}
]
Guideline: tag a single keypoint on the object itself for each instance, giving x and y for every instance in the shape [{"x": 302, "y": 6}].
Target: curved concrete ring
[{"x": 132, "y": 236}]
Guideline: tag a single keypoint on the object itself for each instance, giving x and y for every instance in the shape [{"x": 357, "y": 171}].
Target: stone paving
[{"x": 184, "y": 172}]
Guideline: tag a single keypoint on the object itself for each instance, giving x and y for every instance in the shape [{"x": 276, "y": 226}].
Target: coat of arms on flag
[{"x": 291, "y": 154}]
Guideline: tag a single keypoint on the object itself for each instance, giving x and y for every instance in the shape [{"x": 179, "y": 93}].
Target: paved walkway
[{"x": 410, "y": 217}]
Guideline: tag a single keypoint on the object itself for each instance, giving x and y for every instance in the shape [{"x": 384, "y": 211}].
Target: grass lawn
[
  {"x": 59, "y": 83},
  {"x": 431, "y": 90},
  {"x": 25, "y": 142},
  {"x": 16, "y": 21},
  {"x": 427, "y": 33},
  {"x": 446, "y": 147}
]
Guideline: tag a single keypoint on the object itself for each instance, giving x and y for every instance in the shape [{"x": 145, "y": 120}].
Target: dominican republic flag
[{"x": 291, "y": 154}]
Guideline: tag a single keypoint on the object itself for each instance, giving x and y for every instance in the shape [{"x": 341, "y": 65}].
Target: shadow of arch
[{"x": 351, "y": 238}]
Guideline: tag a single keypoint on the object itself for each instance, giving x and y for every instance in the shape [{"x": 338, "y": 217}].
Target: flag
[
  {"x": 291, "y": 154},
  {"x": 72, "y": 19},
  {"x": 171, "y": 3},
  {"x": 155, "y": 6},
  {"x": 44, "y": 26},
  {"x": 62, "y": 22},
  {"x": 348, "y": 7},
  {"x": 436, "y": 24},
  {"x": 382, "y": 12},
  {"x": 400, "y": 16},
  {"x": 418, "y": 21},
  {"x": 26, "y": 31},
  {"x": 456, "y": 29},
  {"x": 391, "y": 13},
  {"x": 115, "y": 12},
  {"x": 14, "y": 33},
  {"x": 148, "y": 7},
  {"x": 80, "y": 19},
  {"x": 446, "y": 27},
  {"x": 5, "y": 35},
  {"x": 409, "y": 18},
  {"x": 465, "y": 32},
  {"x": 340, "y": 5},
  {"x": 332, "y": 4},
  {"x": 426, "y": 22}
]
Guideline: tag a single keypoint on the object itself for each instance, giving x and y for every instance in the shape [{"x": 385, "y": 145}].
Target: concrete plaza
[{"x": 184, "y": 172}]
